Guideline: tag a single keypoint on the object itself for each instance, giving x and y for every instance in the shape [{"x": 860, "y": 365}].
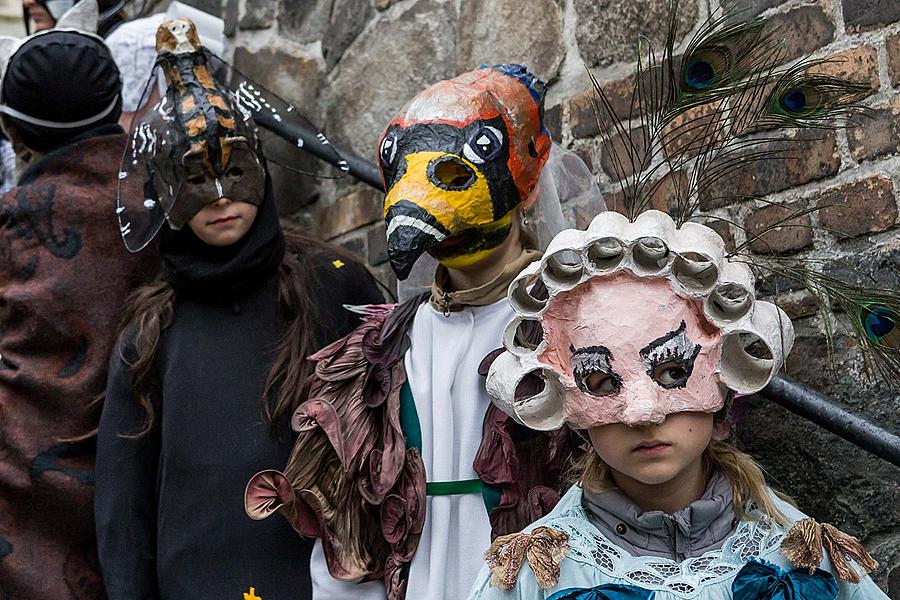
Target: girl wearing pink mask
[
  {"x": 639, "y": 331},
  {"x": 644, "y": 337}
]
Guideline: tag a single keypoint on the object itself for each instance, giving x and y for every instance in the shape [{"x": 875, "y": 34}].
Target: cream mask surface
[{"x": 631, "y": 351}]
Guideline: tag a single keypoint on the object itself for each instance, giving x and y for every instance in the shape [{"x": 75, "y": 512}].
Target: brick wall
[{"x": 352, "y": 63}]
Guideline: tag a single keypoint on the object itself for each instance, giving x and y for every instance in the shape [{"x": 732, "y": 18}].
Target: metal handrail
[{"x": 825, "y": 412}]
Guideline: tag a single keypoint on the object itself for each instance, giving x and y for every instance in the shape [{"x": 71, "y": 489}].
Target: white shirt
[{"x": 442, "y": 370}]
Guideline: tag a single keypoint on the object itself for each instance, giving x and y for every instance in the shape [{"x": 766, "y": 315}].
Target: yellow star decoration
[
  {"x": 338, "y": 264},
  {"x": 251, "y": 595}
]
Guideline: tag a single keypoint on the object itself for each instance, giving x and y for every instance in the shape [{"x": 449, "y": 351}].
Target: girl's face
[
  {"x": 38, "y": 15},
  {"x": 654, "y": 454},
  {"x": 223, "y": 222}
]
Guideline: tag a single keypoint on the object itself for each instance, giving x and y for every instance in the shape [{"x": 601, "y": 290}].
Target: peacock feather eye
[
  {"x": 699, "y": 74},
  {"x": 795, "y": 101},
  {"x": 880, "y": 323}
]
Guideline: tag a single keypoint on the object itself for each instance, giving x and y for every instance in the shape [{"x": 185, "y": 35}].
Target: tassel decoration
[
  {"x": 807, "y": 541},
  {"x": 544, "y": 549},
  {"x": 840, "y": 547}
]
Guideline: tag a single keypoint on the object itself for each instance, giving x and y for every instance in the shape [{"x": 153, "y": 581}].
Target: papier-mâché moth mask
[{"x": 198, "y": 143}]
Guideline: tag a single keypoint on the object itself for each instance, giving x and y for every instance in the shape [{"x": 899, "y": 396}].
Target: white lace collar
[{"x": 686, "y": 579}]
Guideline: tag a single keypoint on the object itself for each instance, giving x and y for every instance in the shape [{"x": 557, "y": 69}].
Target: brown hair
[
  {"x": 151, "y": 308},
  {"x": 748, "y": 482}
]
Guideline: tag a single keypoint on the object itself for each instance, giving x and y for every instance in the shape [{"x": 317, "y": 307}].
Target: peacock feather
[
  {"x": 871, "y": 314},
  {"x": 708, "y": 111},
  {"x": 803, "y": 98}
]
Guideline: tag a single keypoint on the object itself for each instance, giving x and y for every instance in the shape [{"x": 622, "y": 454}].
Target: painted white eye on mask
[
  {"x": 484, "y": 145},
  {"x": 389, "y": 149}
]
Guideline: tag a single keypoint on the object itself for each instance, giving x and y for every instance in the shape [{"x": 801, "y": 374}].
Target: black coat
[{"x": 170, "y": 516}]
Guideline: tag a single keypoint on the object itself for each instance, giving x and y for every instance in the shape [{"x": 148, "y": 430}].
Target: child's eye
[
  {"x": 198, "y": 179},
  {"x": 601, "y": 384},
  {"x": 235, "y": 172},
  {"x": 670, "y": 374}
]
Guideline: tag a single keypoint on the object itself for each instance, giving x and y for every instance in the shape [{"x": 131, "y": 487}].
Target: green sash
[{"x": 412, "y": 430}]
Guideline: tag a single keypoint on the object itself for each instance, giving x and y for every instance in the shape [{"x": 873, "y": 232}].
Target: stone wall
[{"x": 350, "y": 64}]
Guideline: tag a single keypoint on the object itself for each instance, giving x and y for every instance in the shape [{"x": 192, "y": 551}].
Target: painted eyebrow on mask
[
  {"x": 592, "y": 359},
  {"x": 675, "y": 347}
]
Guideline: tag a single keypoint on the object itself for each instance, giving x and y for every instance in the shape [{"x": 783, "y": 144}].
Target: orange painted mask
[
  {"x": 457, "y": 161},
  {"x": 220, "y": 159}
]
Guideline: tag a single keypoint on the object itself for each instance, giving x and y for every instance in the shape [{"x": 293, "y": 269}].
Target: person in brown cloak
[{"x": 63, "y": 280}]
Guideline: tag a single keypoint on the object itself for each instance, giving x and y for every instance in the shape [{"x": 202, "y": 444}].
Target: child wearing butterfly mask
[
  {"x": 642, "y": 349},
  {"x": 211, "y": 359}
]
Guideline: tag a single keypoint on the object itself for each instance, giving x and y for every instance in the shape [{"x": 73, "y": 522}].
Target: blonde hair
[{"x": 747, "y": 479}]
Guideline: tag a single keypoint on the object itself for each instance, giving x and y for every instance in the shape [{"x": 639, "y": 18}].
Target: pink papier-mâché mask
[
  {"x": 629, "y": 321},
  {"x": 630, "y": 350}
]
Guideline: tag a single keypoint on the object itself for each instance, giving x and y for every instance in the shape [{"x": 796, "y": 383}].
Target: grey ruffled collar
[{"x": 701, "y": 526}]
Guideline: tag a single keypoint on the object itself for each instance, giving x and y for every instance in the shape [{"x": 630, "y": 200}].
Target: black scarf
[{"x": 223, "y": 274}]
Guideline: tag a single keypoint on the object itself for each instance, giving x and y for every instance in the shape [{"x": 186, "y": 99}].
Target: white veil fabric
[{"x": 565, "y": 180}]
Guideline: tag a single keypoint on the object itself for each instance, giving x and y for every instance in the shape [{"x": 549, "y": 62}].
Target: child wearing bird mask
[
  {"x": 210, "y": 361},
  {"x": 402, "y": 468}
]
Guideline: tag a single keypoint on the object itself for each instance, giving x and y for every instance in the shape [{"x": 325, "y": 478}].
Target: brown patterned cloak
[{"x": 64, "y": 277}]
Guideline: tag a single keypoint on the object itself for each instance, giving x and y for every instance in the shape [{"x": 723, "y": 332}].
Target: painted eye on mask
[
  {"x": 388, "y": 150},
  {"x": 197, "y": 179},
  {"x": 484, "y": 145},
  {"x": 593, "y": 372}
]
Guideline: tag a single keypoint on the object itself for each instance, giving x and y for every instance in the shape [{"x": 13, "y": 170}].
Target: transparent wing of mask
[
  {"x": 565, "y": 181},
  {"x": 149, "y": 177},
  {"x": 271, "y": 111}
]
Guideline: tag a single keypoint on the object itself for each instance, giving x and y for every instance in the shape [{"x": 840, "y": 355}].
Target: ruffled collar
[
  {"x": 446, "y": 301},
  {"x": 697, "y": 528}
]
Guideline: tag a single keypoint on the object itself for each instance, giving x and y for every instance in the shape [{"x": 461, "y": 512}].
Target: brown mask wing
[{"x": 242, "y": 180}]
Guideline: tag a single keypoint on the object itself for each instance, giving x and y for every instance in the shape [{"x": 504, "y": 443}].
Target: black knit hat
[{"x": 58, "y": 85}]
